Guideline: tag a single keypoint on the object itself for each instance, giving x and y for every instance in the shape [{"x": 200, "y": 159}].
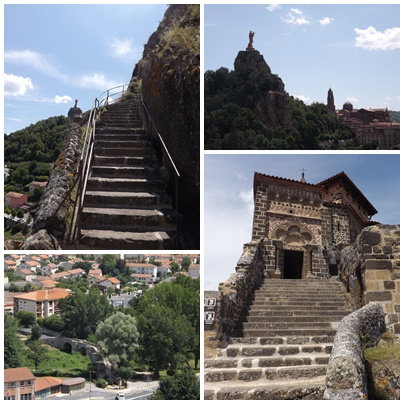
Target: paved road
[{"x": 136, "y": 391}]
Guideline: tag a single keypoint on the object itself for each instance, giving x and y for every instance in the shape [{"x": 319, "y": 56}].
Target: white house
[
  {"x": 66, "y": 265},
  {"x": 111, "y": 283},
  {"x": 26, "y": 274},
  {"x": 31, "y": 265},
  {"x": 163, "y": 270},
  {"x": 148, "y": 279},
  {"x": 139, "y": 268},
  {"x": 194, "y": 271},
  {"x": 49, "y": 269},
  {"x": 10, "y": 265}
]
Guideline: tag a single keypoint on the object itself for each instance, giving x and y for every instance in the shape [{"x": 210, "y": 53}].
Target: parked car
[{"x": 120, "y": 396}]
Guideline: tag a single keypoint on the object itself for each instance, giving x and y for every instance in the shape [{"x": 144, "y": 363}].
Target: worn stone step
[
  {"x": 298, "y": 293},
  {"x": 123, "y": 219},
  {"x": 301, "y": 340},
  {"x": 307, "y": 388},
  {"x": 123, "y": 172},
  {"x": 122, "y": 151},
  {"x": 256, "y": 305},
  {"x": 123, "y": 184},
  {"x": 292, "y": 319},
  {"x": 120, "y": 137},
  {"x": 237, "y": 351},
  {"x": 285, "y": 325},
  {"x": 288, "y": 332},
  {"x": 124, "y": 161},
  {"x": 291, "y": 300},
  {"x": 272, "y": 373},
  {"x": 99, "y": 130},
  {"x": 145, "y": 143},
  {"x": 121, "y": 199},
  {"x": 318, "y": 311},
  {"x": 110, "y": 239}
]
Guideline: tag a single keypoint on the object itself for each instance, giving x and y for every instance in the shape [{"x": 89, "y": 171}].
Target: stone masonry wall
[
  {"x": 235, "y": 293},
  {"x": 346, "y": 372},
  {"x": 370, "y": 271}
]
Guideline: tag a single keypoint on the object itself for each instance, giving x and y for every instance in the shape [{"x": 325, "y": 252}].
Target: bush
[
  {"x": 36, "y": 332},
  {"x": 101, "y": 383},
  {"x": 53, "y": 322},
  {"x": 26, "y": 318}
]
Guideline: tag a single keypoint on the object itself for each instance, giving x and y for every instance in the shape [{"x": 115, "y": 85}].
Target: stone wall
[
  {"x": 346, "y": 373},
  {"x": 370, "y": 271},
  {"x": 49, "y": 226},
  {"x": 236, "y": 292}
]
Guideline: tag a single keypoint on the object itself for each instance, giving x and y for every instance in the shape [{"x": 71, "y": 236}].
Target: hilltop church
[{"x": 304, "y": 226}]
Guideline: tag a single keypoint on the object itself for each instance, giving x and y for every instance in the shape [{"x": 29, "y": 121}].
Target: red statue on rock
[{"x": 251, "y": 37}]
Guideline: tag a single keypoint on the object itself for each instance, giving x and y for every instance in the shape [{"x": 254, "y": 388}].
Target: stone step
[
  {"x": 123, "y": 184},
  {"x": 123, "y": 161},
  {"x": 307, "y": 388},
  {"x": 285, "y": 325},
  {"x": 111, "y": 240},
  {"x": 292, "y": 319},
  {"x": 301, "y": 340},
  {"x": 299, "y": 287},
  {"x": 267, "y": 361},
  {"x": 297, "y": 300},
  {"x": 274, "y": 292},
  {"x": 123, "y": 219},
  {"x": 145, "y": 143},
  {"x": 118, "y": 131},
  {"x": 123, "y": 172},
  {"x": 121, "y": 199},
  {"x": 122, "y": 151},
  {"x": 121, "y": 137},
  {"x": 237, "y": 351},
  {"x": 318, "y": 311},
  {"x": 271, "y": 373},
  {"x": 288, "y": 332},
  {"x": 292, "y": 306}
]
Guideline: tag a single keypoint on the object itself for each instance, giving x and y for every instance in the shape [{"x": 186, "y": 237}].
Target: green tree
[
  {"x": 125, "y": 373},
  {"x": 166, "y": 338},
  {"x": 174, "y": 267},
  {"x": 185, "y": 263},
  {"x": 83, "y": 265},
  {"x": 81, "y": 312},
  {"x": 53, "y": 322},
  {"x": 12, "y": 342},
  {"x": 117, "y": 337},
  {"x": 38, "y": 353},
  {"x": 183, "y": 385},
  {"x": 36, "y": 332},
  {"x": 26, "y": 318},
  {"x": 108, "y": 263}
]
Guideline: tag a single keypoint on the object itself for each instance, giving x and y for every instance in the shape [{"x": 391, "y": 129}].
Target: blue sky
[
  {"x": 354, "y": 49},
  {"x": 229, "y": 196},
  {"x": 54, "y": 54}
]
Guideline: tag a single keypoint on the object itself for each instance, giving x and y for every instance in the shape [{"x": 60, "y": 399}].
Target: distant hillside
[
  {"x": 39, "y": 142},
  {"x": 30, "y": 152},
  {"x": 394, "y": 116}
]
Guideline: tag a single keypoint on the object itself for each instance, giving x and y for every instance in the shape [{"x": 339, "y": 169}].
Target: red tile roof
[
  {"x": 114, "y": 280},
  {"x": 42, "y": 295},
  {"x": 46, "y": 382},
  {"x": 17, "y": 374}
]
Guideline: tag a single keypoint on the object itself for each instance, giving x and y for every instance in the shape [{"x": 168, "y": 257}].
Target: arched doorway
[{"x": 67, "y": 347}]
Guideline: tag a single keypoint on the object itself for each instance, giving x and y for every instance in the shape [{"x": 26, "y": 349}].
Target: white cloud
[
  {"x": 96, "y": 81},
  {"x": 295, "y": 17},
  {"x": 35, "y": 60},
  {"x": 296, "y": 11},
  {"x": 122, "y": 49},
  {"x": 248, "y": 198},
  {"x": 326, "y": 20},
  {"x": 306, "y": 100},
  {"x": 352, "y": 99},
  {"x": 273, "y": 7},
  {"x": 14, "y": 119},
  {"x": 62, "y": 99},
  {"x": 371, "y": 39},
  {"x": 15, "y": 86}
]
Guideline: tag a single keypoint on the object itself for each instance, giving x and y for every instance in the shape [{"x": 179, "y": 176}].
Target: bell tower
[{"x": 330, "y": 102}]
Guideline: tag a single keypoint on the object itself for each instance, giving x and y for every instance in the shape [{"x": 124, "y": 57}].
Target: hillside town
[{"x": 56, "y": 304}]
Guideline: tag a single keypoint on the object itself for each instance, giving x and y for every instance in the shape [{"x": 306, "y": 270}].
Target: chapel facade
[{"x": 304, "y": 226}]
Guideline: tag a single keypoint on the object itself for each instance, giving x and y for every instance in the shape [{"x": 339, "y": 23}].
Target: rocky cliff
[
  {"x": 169, "y": 71},
  {"x": 272, "y": 101}
]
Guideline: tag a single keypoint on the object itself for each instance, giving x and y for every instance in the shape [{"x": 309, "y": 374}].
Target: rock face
[
  {"x": 273, "y": 107},
  {"x": 370, "y": 270},
  {"x": 50, "y": 219},
  {"x": 169, "y": 71}
]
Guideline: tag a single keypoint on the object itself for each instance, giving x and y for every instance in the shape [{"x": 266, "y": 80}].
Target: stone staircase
[
  {"x": 125, "y": 205},
  {"x": 285, "y": 343}
]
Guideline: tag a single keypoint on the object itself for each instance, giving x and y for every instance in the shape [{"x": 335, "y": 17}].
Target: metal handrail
[{"x": 87, "y": 155}]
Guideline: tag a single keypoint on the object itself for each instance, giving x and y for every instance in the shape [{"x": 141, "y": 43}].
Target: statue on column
[{"x": 250, "y": 43}]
